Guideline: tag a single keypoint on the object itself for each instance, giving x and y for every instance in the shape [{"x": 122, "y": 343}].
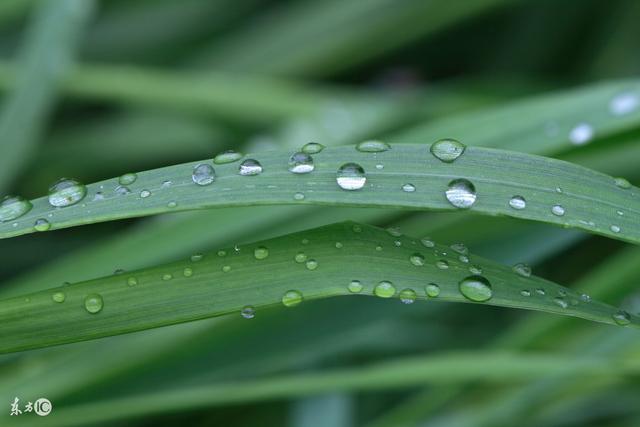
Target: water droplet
[
  {"x": 585, "y": 298},
  {"x": 442, "y": 264},
  {"x": 447, "y": 150},
  {"x": 93, "y": 303},
  {"x": 229, "y": 156},
  {"x": 196, "y": 257},
  {"x": 339, "y": 245},
  {"x": 311, "y": 264},
  {"x": 476, "y": 288},
  {"x": 525, "y": 293},
  {"x": 463, "y": 258},
  {"x": 522, "y": 269},
  {"x": 407, "y": 296},
  {"x": 312, "y": 148},
  {"x": 121, "y": 190},
  {"x": 166, "y": 184},
  {"x": 132, "y": 281},
  {"x": 427, "y": 242},
  {"x": 355, "y": 286},
  {"x": 291, "y": 298},
  {"x": 248, "y": 312},
  {"x": 384, "y": 289},
  {"x": 167, "y": 276},
  {"x": 127, "y": 179},
  {"x": 461, "y": 193},
  {"x": 58, "y": 296},
  {"x": 373, "y": 146},
  {"x": 351, "y": 176},
  {"x": 305, "y": 241},
  {"x": 98, "y": 196},
  {"x": 172, "y": 204},
  {"x": 42, "y": 225},
  {"x": 394, "y": 231},
  {"x": 357, "y": 229},
  {"x": 298, "y": 196},
  {"x": 379, "y": 166},
  {"x": 301, "y": 163},
  {"x": 66, "y": 192},
  {"x": 475, "y": 269},
  {"x": 378, "y": 248},
  {"x": 581, "y": 134},
  {"x": 222, "y": 253},
  {"x": 417, "y": 259},
  {"x": 557, "y": 210},
  {"x": 226, "y": 268},
  {"x": 300, "y": 257},
  {"x": 261, "y": 252},
  {"x": 622, "y": 318},
  {"x": 409, "y": 188},
  {"x": 250, "y": 167},
  {"x": 615, "y": 228},
  {"x": 540, "y": 291},
  {"x": 187, "y": 272},
  {"x": 560, "y": 302},
  {"x": 518, "y": 202},
  {"x": 432, "y": 290},
  {"x": 203, "y": 174},
  {"x": 460, "y": 248},
  {"x": 624, "y": 103},
  {"x": 13, "y": 207},
  {"x": 622, "y": 183},
  {"x": 145, "y": 193}
]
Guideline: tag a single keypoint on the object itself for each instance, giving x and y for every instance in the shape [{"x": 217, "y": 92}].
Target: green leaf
[
  {"x": 314, "y": 264},
  {"x": 556, "y": 192}
]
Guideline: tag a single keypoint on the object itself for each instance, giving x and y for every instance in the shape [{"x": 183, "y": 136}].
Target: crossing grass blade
[
  {"x": 556, "y": 192},
  {"x": 318, "y": 263}
]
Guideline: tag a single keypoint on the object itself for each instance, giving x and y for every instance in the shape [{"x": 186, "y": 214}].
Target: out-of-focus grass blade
[
  {"x": 485, "y": 180},
  {"x": 314, "y": 264},
  {"x": 46, "y": 59}
]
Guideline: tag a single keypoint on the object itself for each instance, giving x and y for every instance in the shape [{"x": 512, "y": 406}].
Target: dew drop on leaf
[
  {"x": 187, "y": 272},
  {"x": 132, "y": 281},
  {"x": 261, "y": 252},
  {"x": 522, "y": 269},
  {"x": 66, "y": 192},
  {"x": 301, "y": 163},
  {"x": 93, "y": 303},
  {"x": 407, "y": 296},
  {"x": 145, "y": 193},
  {"x": 312, "y": 148},
  {"x": 248, "y": 312},
  {"x": 292, "y": 298},
  {"x": 355, "y": 286},
  {"x": 518, "y": 203},
  {"x": 127, "y": 179},
  {"x": 250, "y": 167},
  {"x": 442, "y": 264},
  {"x": 203, "y": 174},
  {"x": 300, "y": 257},
  {"x": 372, "y": 146},
  {"x": 58, "y": 296},
  {"x": 311, "y": 264},
  {"x": 461, "y": 193},
  {"x": 622, "y": 318},
  {"x": 476, "y": 288},
  {"x": 351, "y": 176},
  {"x": 581, "y": 134},
  {"x": 417, "y": 259},
  {"x": 229, "y": 156},
  {"x": 408, "y": 188},
  {"x": 384, "y": 289},
  {"x": 432, "y": 290},
  {"x": 557, "y": 210},
  {"x": 622, "y": 183},
  {"x": 624, "y": 103},
  {"x": 560, "y": 302},
  {"x": 42, "y": 225},
  {"x": 13, "y": 207},
  {"x": 447, "y": 150}
]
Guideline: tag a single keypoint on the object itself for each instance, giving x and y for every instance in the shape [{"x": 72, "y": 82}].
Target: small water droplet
[
  {"x": 127, "y": 179},
  {"x": 311, "y": 264},
  {"x": 222, "y": 253},
  {"x": 394, "y": 231},
  {"x": 229, "y": 156},
  {"x": 475, "y": 269},
  {"x": 312, "y": 148},
  {"x": 518, "y": 202},
  {"x": 93, "y": 303},
  {"x": 248, "y": 312},
  {"x": 622, "y": 183},
  {"x": 226, "y": 268},
  {"x": 292, "y": 298},
  {"x": 384, "y": 289},
  {"x": 463, "y": 258},
  {"x": 476, "y": 288},
  {"x": 357, "y": 229},
  {"x": 378, "y": 248},
  {"x": 373, "y": 146},
  {"x": 417, "y": 259},
  {"x": 122, "y": 190},
  {"x": 447, "y": 150},
  {"x": 581, "y": 134},
  {"x": 305, "y": 241},
  {"x": 557, "y": 210},
  {"x": 13, "y": 207},
  {"x": 261, "y": 252},
  {"x": 301, "y": 163},
  {"x": 98, "y": 196},
  {"x": 132, "y": 281},
  {"x": 560, "y": 302},
  {"x": 339, "y": 245},
  {"x": 407, "y": 296},
  {"x": 250, "y": 167},
  {"x": 432, "y": 290},
  {"x": 172, "y": 204},
  {"x": 541, "y": 291},
  {"x": 145, "y": 193},
  {"x": 42, "y": 225},
  {"x": 615, "y": 228},
  {"x": 522, "y": 269},
  {"x": 203, "y": 174},
  {"x": 409, "y": 188},
  {"x": 460, "y": 248},
  {"x": 624, "y": 103},
  {"x": 525, "y": 293},
  {"x": 166, "y": 184},
  {"x": 300, "y": 257},
  {"x": 379, "y": 166},
  {"x": 58, "y": 296},
  {"x": 427, "y": 242},
  {"x": 298, "y": 196},
  {"x": 196, "y": 257},
  {"x": 461, "y": 193},
  {"x": 442, "y": 264},
  {"x": 187, "y": 272},
  {"x": 355, "y": 286},
  {"x": 167, "y": 276},
  {"x": 351, "y": 176},
  {"x": 585, "y": 298},
  {"x": 66, "y": 192},
  {"x": 622, "y": 318}
]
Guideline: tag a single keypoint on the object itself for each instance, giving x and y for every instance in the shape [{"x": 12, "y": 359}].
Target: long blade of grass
[
  {"x": 235, "y": 279},
  {"x": 555, "y": 192}
]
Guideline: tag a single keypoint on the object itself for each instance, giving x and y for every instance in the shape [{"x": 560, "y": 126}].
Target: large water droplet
[
  {"x": 461, "y": 193},
  {"x": 42, "y": 225},
  {"x": 93, "y": 303},
  {"x": 581, "y": 134},
  {"x": 127, "y": 179},
  {"x": 476, "y": 288},
  {"x": 522, "y": 269},
  {"x": 447, "y": 150},
  {"x": 417, "y": 259},
  {"x": 250, "y": 167},
  {"x": 203, "y": 174},
  {"x": 301, "y": 163},
  {"x": 518, "y": 202},
  {"x": 261, "y": 252},
  {"x": 384, "y": 289},
  {"x": 407, "y": 296},
  {"x": 311, "y": 264},
  {"x": 558, "y": 210},
  {"x": 312, "y": 148},
  {"x": 432, "y": 290},
  {"x": 372, "y": 146},
  {"x": 351, "y": 176},
  {"x": 227, "y": 157},
  {"x": 66, "y": 192},
  {"x": 622, "y": 318},
  {"x": 624, "y": 103},
  {"x": 355, "y": 286},
  {"x": 13, "y": 207},
  {"x": 58, "y": 296},
  {"x": 248, "y": 312},
  {"x": 292, "y": 298}
]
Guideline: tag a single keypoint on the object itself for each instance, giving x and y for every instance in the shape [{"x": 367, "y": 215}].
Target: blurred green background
[{"x": 92, "y": 90}]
